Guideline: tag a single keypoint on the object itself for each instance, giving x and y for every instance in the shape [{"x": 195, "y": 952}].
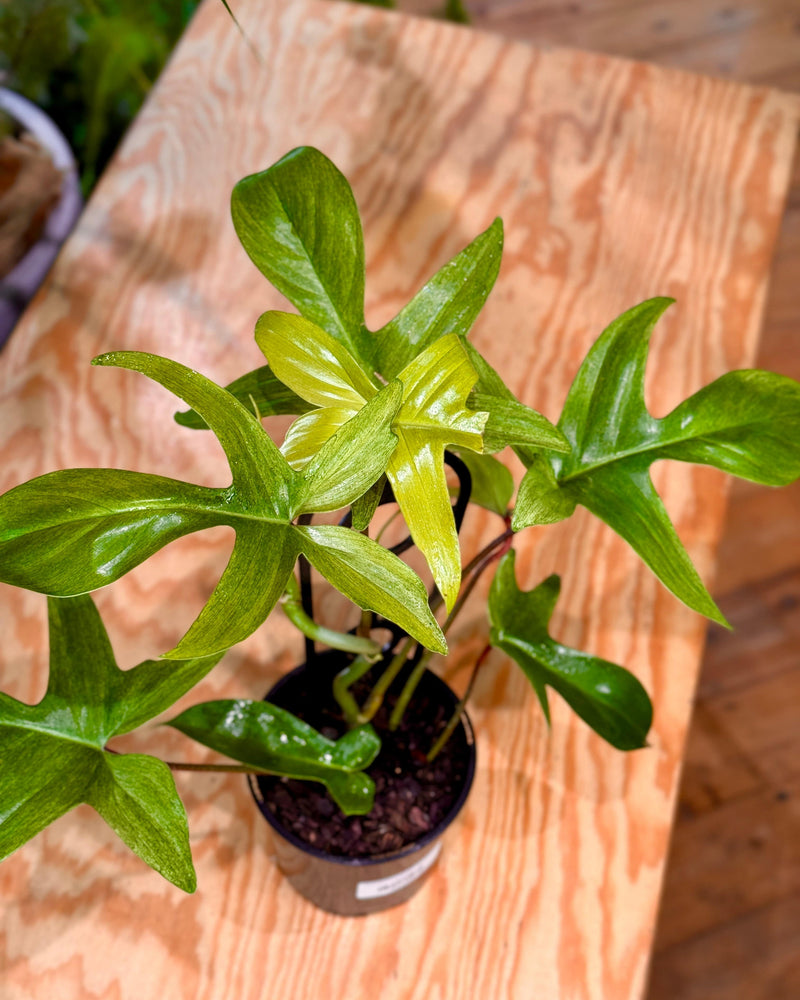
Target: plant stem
[
  {"x": 448, "y": 730},
  {"x": 408, "y": 690},
  {"x": 342, "y": 683},
  {"x": 294, "y": 611},
  {"x": 471, "y": 573},
  {"x": 376, "y": 695},
  {"x": 175, "y": 765},
  {"x": 237, "y": 768}
]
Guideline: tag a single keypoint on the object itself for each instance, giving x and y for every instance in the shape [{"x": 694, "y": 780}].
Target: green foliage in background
[{"x": 89, "y": 64}]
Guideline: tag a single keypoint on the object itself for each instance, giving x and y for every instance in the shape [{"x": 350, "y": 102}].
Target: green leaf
[
  {"x": 363, "y": 508},
  {"x": 53, "y": 757},
  {"x": 352, "y": 460},
  {"x": 136, "y": 796},
  {"x": 492, "y": 482},
  {"x": 606, "y": 696},
  {"x": 260, "y": 477},
  {"x": 261, "y": 562},
  {"x": 448, "y": 303},
  {"x": 512, "y": 423},
  {"x": 434, "y": 416},
  {"x": 746, "y": 423},
  {"x": 271, "y": 739},
  {"x": 299, "y": 223},
  {"x": 261, "y": 392},
  {"x": 540, "y": 499},
  {"x": 509, "y": 422},
  {"x": 373, "y": 578},
  {"x": 308, "y": 433},
  {"x": 76, "y": 530},
  {"x": 312, "y": 362}
]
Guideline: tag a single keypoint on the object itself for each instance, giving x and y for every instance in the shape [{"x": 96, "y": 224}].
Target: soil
[{"x": 412, "y": 796}]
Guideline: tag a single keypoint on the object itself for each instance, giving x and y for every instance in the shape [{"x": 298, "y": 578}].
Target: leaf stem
[
  {"x": 408, "y": 690},
  {"x": 293, "y": 609},
  {"x": 471, "y": 573},
  {"x": 177, "y": 765},
  {"x": 342, "y": 683},
  {"x": 376, "y": 695},
  {"x": 455, "y": 718},
  {"x": 237, "y": 768}
]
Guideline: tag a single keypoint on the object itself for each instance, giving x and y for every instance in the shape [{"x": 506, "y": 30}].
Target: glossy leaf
[
  {"x": 448, "y": 303},
  {"x": 509, "y": 422},
  {"x": 76, "y": 530},
  {"x": 259, "y": 391},
  {"x": 746, "y": 423},
  {"x": 373, "y": 578},
  {"x": 492, "y": 482},
  {"x": 271, "y": 739},
  {"x": 309, "y": 433},
  {"x": 347, "y": 464},
  {"x": 363, "y": 509},
  {"x": 312, "y": 362},
  {"x": 52, "y": 755},
  {"x": 260, "y": 479},
  {"x": 606, "y": 696},
  {"x": 299, "y": 223},
  {"x": 432, "y": 416}
]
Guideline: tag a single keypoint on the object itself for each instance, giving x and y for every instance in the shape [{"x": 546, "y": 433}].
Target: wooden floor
[{"x": 730, "y": 920}]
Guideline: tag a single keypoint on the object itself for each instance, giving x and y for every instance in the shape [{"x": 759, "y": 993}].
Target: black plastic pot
[{"x": 354, "y": 886}]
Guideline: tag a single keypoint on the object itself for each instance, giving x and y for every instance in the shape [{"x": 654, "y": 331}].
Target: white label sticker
[{"x": 394, "y": 883}]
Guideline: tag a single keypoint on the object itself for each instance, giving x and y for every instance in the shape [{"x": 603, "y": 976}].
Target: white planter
[{"x": 18, "y": 287}]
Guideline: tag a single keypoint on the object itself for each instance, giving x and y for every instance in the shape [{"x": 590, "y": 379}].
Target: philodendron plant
[{"x": 379, "y": 413}]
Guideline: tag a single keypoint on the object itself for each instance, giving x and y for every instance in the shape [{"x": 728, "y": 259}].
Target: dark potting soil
[{"x": 411, "y": 795}]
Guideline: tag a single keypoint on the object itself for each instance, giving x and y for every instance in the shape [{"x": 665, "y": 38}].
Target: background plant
[{"x": 89, "y": 64}]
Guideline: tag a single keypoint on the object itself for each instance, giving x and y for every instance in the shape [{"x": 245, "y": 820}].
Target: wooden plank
[
  {"x": 766, "y": 632},
  {"x": 665, "y": 32},
  {"x": 717, "y": 769},
  {"x": 722, "y": 869},
  {"x": 753, "y": 958},
  {"x": 617, "y": 181}
]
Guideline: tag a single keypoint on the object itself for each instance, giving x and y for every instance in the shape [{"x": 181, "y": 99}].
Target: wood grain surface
[{"x": 616, "y": 181}]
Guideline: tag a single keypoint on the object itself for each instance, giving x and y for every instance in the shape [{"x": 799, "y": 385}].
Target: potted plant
[
  {"x": 40, "y": 201},
  {"x": 379, "y": 413}
]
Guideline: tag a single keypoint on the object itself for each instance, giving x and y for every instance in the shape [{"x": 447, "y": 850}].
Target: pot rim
[{"x": 401, "y": 852}]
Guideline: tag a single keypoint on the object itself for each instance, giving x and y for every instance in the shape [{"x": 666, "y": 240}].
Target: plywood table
[{"x": 616, "y": 181}]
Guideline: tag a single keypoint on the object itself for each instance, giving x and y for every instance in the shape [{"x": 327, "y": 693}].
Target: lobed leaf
[
  {"x": 53, "y": 756},
  {"x": 271, "y": 739},
  {"x": 299, "y": 224},
  {"x": 260, "y": 391},
  {"x": 606, "y": 696},
  {"x": 76, "y": 530},
  {"x": 745, "y": 423}
]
